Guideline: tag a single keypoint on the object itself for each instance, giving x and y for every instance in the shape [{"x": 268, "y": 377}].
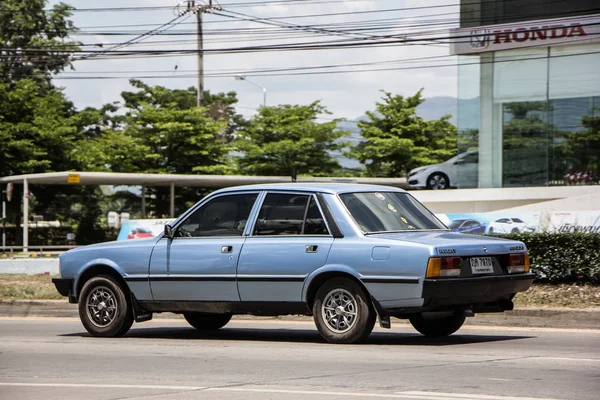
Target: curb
[{"x": 522, "y": 317}]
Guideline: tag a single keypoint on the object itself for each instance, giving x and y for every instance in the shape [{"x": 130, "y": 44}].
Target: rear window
[{"x": 389, "y": 212}]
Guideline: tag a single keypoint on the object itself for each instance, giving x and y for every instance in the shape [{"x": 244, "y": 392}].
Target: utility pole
[
  {"x": 194, "y": 7},
  {"x": 200, "y": 94}
]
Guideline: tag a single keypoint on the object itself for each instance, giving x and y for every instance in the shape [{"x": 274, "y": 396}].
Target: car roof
[{"x": 332, "y": 188}]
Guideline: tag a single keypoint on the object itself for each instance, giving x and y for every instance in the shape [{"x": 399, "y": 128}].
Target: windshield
[{"x": 389, "y": 211}]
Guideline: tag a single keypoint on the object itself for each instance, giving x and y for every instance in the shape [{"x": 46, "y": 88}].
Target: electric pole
[{"x": 195, "y": 7}]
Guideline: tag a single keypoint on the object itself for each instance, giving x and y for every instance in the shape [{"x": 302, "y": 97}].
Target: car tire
[
  {"x": 515, "y": 230},
  {"x": 437, "y": 327},
  {"x": 343, "y": 297},
  {"x": 104, "y": 309},
  {"x": 491, "y": 231},
  {"x": 438, "y": 181},
  {"x": 207, "y": 322}
]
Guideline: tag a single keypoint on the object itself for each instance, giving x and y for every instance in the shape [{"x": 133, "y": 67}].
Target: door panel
[
  {"x": 195, "y": 269},
  {"x": 199, "y": 263},
  {"x": 274, "y": 268}
]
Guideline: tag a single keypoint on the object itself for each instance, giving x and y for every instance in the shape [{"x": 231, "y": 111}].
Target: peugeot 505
[{"x": 346, "y": 254}]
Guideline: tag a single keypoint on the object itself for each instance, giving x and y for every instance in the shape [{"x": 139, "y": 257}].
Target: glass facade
[{"x": 533, "y": 114}]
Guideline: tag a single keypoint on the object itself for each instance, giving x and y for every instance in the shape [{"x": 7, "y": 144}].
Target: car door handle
[
  {"x": 312, "y": 248},
  {"x": 226, "y": 249}
]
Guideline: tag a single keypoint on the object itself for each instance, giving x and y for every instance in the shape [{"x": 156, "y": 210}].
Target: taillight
[
  {"x": 518, "y": 263},
  {"x": 443, "y": 267}
]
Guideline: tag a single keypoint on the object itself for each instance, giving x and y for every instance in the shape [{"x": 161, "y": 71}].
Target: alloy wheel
[{"x": 339, "y": 310}]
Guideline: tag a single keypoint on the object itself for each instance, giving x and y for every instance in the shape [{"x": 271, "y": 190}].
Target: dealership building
[{"x": 529, "y": 92}]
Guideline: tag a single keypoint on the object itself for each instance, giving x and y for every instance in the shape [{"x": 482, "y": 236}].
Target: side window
[
  {"x": 472, "y": 158},
  {"x": 222, "y": 216},
  {"x": 315, "y": 223},
  {"x": 281, "y": 214}
]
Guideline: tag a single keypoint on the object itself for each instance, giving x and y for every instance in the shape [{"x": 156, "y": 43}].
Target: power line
[
  {"x": 275, "y": 73},
  {"x": 314, "y": 45}
]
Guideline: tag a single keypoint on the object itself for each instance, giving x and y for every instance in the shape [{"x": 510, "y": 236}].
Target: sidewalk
[{"x": 526, "y": 317}]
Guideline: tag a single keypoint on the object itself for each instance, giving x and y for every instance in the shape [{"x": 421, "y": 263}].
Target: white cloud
[{"x": 346, "y": 95}]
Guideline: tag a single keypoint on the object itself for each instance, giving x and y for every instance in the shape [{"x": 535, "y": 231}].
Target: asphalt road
[{"x": 162, "y": 360}]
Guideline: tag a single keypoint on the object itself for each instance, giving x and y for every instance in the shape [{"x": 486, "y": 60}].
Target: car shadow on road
[{"x": 305, "y": 336}]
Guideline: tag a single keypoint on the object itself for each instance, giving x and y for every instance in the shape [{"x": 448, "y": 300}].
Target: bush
[{"x": 563, "y": 257}]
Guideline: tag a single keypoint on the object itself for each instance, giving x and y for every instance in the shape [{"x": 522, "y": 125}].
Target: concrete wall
[{"x": 29, "y": 266}]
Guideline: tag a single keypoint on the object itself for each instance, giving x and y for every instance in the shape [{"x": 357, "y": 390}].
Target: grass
[
  {"x": 560, "y": 295},
  {"x": 27, "y": 287},
  {"x": 40, "y": 287}
]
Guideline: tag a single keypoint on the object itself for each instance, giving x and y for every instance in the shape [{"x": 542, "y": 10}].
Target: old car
[{"x": 346, "y": 254}]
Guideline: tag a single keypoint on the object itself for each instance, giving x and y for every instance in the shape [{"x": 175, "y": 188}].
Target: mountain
[{"x": 437, "y": 107}]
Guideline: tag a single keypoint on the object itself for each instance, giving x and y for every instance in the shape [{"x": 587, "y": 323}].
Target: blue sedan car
[
  {"x": 466, "y": 226},
  {"x": 346, "y": 254}
]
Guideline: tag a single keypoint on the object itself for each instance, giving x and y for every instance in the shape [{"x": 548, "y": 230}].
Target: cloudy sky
[{"x": 346, "y": 95}]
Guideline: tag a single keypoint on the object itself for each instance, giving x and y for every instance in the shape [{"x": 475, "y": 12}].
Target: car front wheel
[
  {"x": 438, "y": 181},
  {"x": 437, "y": 326},
  {"x": 342, "y": 312},
  {"x": 207, "y": 321},
  {"x": 103, "y": 307}
]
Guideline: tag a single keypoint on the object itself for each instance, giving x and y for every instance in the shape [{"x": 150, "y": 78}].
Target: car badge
[{"x": 485, "y": 249}]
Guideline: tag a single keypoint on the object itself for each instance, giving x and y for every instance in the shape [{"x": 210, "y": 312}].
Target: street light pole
[{"x": 264, "y": 89}]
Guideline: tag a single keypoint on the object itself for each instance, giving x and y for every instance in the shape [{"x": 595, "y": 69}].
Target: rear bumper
[
  {"x": 64, "y": 286},
  {"x": 476, "y": 292}
]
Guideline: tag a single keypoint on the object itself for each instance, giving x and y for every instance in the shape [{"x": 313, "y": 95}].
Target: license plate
[{"x": 481, "y": 265}]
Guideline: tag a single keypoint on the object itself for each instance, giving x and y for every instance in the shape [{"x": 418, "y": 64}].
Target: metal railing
[{"x": 35, "y": 249}]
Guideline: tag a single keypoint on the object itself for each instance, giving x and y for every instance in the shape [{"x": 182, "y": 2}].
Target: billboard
[
  {"x": 523, "y": 222},
  {"x": 142, "y": 228}
]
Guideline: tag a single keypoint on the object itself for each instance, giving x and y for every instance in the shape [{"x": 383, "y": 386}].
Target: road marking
[
  {"x": 414, "y": 395},
  {"x": 433, "y": 395},
  {"x": 105, "y": 386},
  {"x": 397, "y": 395},
  {"x": 569, "y": 359}
]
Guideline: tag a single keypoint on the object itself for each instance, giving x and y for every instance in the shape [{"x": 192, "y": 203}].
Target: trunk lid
[{"x": 458, "y": 244}]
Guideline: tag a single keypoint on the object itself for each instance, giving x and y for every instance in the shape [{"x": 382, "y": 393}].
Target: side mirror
[{"x": 168, "y": 231}]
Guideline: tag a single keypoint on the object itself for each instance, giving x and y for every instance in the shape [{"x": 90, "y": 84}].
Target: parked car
[
  {"x": 343, "y": 253},
  {"x": 139, "y": 233},
  {"x": 445, "y": 175},
  {"x": 508, "y": 225},
  {"x": 466, "y": 226}
]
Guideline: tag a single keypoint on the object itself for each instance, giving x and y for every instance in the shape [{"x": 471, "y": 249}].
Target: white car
[
  {"x": 445, "y": 175},
  {"x": 508, "y": 225}
]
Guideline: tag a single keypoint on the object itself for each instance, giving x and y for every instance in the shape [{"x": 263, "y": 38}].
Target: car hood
[
  {"x": 423, "y": 168},
  {"x": 450, "y": 243},
  {"x": 113, "y": 245}
]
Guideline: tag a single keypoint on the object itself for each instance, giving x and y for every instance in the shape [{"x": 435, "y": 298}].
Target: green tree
[
  {"x": 582, "y": 151},
  {"x": 397, "y": 140},
  {"x": 218, "y": 106},
  {"x": 281, "y": 140},
  {"x": 525, "y": 143},
  {"x": 34, "y": 41}
]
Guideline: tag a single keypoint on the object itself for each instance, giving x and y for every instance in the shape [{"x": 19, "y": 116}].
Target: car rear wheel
[
  {"x": 103, "y": 307},
  {"x": 438, "y": 181},
  {"x": 437, "y": 326},
  {"x": 207, "y": 321},
  {"x": 342, "y": 312}
]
